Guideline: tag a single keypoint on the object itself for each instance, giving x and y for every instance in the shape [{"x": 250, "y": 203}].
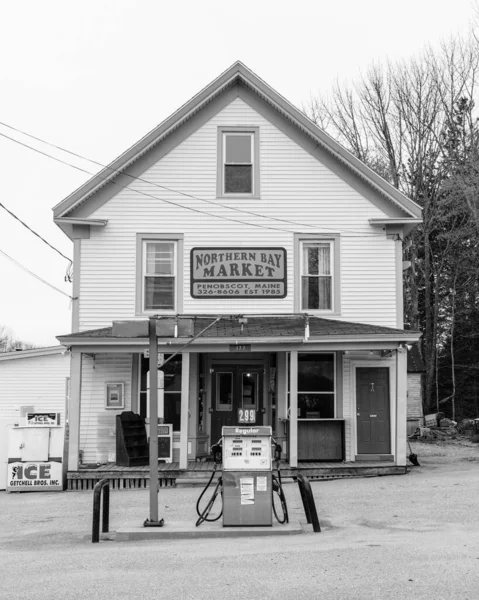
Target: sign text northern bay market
[{"x": 238, "y": 272}]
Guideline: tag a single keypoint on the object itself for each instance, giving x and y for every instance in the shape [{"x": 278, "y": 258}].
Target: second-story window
[
  {"x": 316, "y": 276},
  {"x": 159, "y": 275},
  {"x": 238, "y": 163}
]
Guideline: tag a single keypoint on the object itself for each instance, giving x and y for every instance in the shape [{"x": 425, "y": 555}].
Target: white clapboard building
[{"x": 271, "y": 261}]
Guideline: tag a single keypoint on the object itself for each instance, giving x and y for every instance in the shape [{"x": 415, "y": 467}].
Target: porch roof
[{"x": 251, "y": 329}]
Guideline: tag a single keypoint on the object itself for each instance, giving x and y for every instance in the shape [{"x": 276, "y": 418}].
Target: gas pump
[
  {"x": 247, "y": 482},
  {"x": 247, "y": 476}
]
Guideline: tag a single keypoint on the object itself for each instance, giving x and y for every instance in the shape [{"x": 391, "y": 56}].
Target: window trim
[
  {"x": 221, "y": 147},
  {"x": 334, "y": 240},
  {"x": 141, "y": 238}
]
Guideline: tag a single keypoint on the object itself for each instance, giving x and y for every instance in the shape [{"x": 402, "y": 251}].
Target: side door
[
  {"x": 235, "y": 388},
  {"x": 373, "y": 412}
]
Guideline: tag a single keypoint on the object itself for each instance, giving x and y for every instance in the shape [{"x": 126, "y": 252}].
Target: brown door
[
  {"x": 372, "y": 403},
  {"x": 236, "y": 398}
]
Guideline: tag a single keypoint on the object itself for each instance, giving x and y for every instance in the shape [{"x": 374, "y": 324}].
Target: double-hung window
[
  {"x": 317, "y": 275},
  {"x": 159, "y": 275},
  {"x": 238, "y": 162}
]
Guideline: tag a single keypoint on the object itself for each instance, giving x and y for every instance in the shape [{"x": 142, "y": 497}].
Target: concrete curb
[{"x": 180, "y": 530}]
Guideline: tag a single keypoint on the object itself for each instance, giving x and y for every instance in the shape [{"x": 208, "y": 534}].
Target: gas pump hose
[
  {"x": 278, "y": 488},
  {"x": 203, "y": 515}
]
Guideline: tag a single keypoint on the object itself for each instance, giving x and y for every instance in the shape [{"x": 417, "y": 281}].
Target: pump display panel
[{"x": 247, "y": 448}]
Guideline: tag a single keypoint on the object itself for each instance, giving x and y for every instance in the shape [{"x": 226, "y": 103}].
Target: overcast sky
[{"x": 94, "y": 76}]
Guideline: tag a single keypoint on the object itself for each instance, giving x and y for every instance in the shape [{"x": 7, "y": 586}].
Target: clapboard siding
[
  {"x": 294, "y": 186},
  {"x": 98, "y": 424},
  {"x": 38, "y": 381}
]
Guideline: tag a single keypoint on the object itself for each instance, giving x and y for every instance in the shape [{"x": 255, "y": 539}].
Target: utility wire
[
  {"x": 133, "y": 177},
  {"x": 35, "y": 233},
  {"x": 196, "y": 210},
  {"x": 34, "y": 275}
]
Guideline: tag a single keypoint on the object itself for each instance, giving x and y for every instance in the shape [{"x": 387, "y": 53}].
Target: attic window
[
  {"x": 238, "y": 162},
  {"x": 238, "y": 149}
]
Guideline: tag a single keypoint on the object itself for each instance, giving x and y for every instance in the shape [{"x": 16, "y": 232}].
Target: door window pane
[
  {"x": 249, "y": 390},
  {"x": 224, "y": 391}
]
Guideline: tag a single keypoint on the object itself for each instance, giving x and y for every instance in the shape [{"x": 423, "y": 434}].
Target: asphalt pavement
[{"x": 408, "y": 536}]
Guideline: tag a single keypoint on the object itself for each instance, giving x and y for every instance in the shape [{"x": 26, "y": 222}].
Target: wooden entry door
[
  {"x": 373, "y": 414},
  {"x": 233, "y": 388}
]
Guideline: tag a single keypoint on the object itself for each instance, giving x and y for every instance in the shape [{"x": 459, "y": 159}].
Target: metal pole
[
  {"x": 153, "y": 420},
  {"x": 105, "y": 521}
]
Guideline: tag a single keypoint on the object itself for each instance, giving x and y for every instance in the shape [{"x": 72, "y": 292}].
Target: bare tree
[
  {"x": 8, "y": 343},
  {"x": 402, "y": 120}
]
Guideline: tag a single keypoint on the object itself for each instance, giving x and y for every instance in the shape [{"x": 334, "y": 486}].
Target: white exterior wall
[
  {"x": 291, "y": 182},
  {"x": 97, "y": 423},
  {"x": 38, "y": 381}
]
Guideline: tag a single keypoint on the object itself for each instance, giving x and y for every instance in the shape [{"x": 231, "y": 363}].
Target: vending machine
[
  {"x": 35, "y": 454},
  {"x": 247, "y": 476}
]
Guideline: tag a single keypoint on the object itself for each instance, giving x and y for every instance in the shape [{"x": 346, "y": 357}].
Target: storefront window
[
  {"x": 316, "y": 386},
  {"x": 172, "y": 391}
]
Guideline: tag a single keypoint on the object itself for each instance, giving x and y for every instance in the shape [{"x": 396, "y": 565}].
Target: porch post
[
  {"x": 293, "y": 405},
  {"x": 74, "y": 411},
  {"x": 185, "y": 394},
  {"x": 281, "y": 397},
  {"x": 401, "y": 406},
  {"x": 153, "y": 344}
]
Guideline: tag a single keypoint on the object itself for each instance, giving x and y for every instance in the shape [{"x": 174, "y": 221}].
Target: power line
[
  {"x": 133, "y": 177},
  {"x": 144, "y": 193},
  {"x": 35, "y": 233},
  {"x": 34, "y": 275}
]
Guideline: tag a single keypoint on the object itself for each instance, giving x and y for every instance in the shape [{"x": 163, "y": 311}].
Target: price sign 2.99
[{"x": 246, "y": 415}]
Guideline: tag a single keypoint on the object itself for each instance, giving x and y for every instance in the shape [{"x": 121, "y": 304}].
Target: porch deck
[{"x": 138, "y": 477}]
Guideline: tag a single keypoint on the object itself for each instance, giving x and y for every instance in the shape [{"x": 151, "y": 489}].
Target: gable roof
[{"x": 239, "y": 76}]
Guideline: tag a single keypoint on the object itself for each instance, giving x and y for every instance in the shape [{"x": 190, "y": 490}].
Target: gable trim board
[
  {"x": 236, "y": 81},
  {"x": 105, "y": 186}
]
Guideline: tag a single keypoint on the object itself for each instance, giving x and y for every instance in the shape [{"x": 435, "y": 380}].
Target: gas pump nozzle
[
  {"x": 278, "y": 449},
  {"x": 217, "y": 452}
]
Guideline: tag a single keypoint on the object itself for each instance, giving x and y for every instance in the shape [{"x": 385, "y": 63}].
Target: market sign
[{"x": 238, "y": 272}]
